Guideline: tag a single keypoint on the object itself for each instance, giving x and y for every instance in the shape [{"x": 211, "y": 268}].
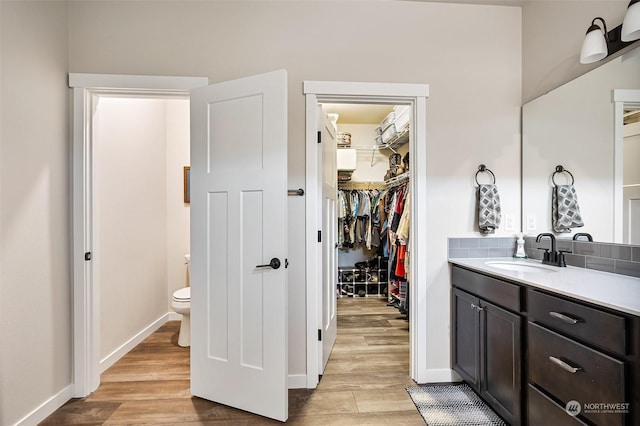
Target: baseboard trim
[
  {"x": 174, "y": 316},
  {"x": 441, "y": 375},
  {"x": 297, "y": 381},
  {"x": 47, "y": 408},
  {"x": 114, "y": 356}
]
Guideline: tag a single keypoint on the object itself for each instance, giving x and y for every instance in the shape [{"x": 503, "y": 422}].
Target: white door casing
[
  {"x": 384, "y": 93},
  {"x": 329, "y": 187},
  {"x": 87, "y": 88},
  {"x": 239, "y": 350}
]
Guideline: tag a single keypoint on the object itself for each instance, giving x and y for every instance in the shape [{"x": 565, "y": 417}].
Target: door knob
[{"x": 275, "y": 264}]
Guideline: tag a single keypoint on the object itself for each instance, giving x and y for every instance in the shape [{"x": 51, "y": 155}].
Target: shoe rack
[{"x": 362, "y": 282}]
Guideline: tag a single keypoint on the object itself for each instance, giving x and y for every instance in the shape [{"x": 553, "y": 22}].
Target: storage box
[
  {"x": 389, "y": 134},
  {"x": 343, "y": 139},
  {"x": 388, "y": 121},
  {"x": 402, "y": 117},
  {"x": 346, "y": 159}
]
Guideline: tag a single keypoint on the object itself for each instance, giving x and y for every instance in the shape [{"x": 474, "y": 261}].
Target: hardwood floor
[{"x": 364, "y": 382}]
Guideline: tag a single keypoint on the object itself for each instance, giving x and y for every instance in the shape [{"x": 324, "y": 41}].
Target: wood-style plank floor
[{"x": 364, "y": 382}]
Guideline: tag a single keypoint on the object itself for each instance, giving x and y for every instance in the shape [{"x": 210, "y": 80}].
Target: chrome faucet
[{"x": 552, "y": 257}]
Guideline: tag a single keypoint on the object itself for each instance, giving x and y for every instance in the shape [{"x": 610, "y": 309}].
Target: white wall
[
  {"x": 364, "y": 134},
  {"x": 473, "y": 116},
  {"x": 552, "y": 35},
  {"x": 178, "y": 141},
  {"x": 35, "y": 274},
  {"x": 130, "y": 217},
  {"x": 141, "y": 230}
]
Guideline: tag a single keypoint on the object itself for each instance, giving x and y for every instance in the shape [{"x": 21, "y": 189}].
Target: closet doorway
[
  {"x": 372, "y": 217},
  {"x": 408, "y": 97}
]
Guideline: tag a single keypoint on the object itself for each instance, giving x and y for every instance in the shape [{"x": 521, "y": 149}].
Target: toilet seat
[{"x": 182, "y": 295}]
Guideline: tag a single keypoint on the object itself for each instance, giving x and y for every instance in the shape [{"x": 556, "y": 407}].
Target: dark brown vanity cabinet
[
  {"x": 543, "y": 359},
  {"x": 579, "y": 354},
  {"x": 486, "y": 343}
]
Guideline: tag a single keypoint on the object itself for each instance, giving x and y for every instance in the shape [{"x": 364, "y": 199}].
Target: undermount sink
[{"x": 520, "y": 266}]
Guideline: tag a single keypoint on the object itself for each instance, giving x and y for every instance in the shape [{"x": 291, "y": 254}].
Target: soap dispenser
[{"x": 520, "y": 254}]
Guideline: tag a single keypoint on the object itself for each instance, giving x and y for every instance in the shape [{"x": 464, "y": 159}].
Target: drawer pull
[
  {"x": 564, "y": 318},
  {"x": 560, "y": 363}
]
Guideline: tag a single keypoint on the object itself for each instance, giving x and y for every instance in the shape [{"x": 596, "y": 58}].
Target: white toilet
[{"x": 181, "y": 303}]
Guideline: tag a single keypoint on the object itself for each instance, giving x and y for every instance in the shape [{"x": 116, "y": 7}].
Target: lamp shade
[
  {"x": 594, "y": 46},
  {"x": 631, "y": 23}
]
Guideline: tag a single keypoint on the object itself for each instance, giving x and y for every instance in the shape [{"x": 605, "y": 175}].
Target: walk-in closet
[{"x": 373, "y": 214}]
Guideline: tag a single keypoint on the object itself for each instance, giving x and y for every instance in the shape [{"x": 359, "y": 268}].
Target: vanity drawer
[
  {"x": 490, "y": 289},
  {"x": 543, "y": 411},
  {"x": 571, "y": 371},
  {"x": 591, "y": 325}
]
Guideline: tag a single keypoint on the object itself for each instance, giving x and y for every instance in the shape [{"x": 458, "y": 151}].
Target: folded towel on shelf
[
  {"x": 489, "y": 212},
  {"x": 565, "y": 212}
]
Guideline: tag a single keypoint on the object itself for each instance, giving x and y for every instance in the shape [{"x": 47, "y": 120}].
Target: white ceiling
[{"x": 359, "y": 113}]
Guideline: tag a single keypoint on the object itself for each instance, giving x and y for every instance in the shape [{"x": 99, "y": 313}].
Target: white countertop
[{"x": 619, "y": 292}]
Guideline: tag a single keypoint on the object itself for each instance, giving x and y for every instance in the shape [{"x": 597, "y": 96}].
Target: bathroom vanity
[{"x": 544, "y": 345}]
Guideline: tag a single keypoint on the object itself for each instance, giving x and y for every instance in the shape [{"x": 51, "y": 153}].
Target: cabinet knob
[{"x": 476, "y": 307}]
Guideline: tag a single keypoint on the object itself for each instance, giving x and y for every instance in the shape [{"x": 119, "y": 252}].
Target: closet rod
[{"x": 361, "y": 185}]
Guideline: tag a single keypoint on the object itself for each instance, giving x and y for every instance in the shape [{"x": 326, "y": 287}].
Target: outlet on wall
[
  {"x": 532, "y": 222},
  {"x": 508, "y": 222}
]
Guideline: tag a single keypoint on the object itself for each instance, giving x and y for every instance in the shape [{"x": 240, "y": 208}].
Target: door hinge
[
  {"x": 319, "y": 136},
  {"x": 319, "y": 236},
  {"x": 87, "y": 256},
  {"x": 319, "y": 335}
]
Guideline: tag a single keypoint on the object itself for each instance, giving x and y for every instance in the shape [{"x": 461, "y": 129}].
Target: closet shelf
[
  {"x": 398, "y": 140},
  {"x": 395, "y": 142}
]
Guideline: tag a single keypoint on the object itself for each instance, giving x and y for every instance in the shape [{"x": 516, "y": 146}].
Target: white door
[
  {"x": 329, "y": 234},
  {"x": 238, "y": 244}
]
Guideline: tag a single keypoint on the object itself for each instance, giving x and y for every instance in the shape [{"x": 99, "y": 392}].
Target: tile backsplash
[
  {"x": 482, "y": 247},
  {"x": 615, "y": 258}
]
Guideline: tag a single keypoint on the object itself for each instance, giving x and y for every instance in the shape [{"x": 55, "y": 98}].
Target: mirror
[{"x": 580, "y": 127}]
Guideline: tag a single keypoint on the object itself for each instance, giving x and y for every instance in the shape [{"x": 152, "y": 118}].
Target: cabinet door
[
  {"x": 466, "y": 337},
  {"x": 501, "y": 372}
]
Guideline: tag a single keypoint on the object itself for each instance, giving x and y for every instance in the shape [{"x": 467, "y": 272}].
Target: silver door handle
[
  {"x": 567, "y": 367},
  {"x": 275, "y": 264},
  {"x": 564, "y": 318}
]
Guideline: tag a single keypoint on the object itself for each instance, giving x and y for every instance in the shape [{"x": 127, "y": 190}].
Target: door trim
[
  {"x": 356, "y": 92},
  {"x": 619, "y": 97},
  {"x": 87, "y": 88}
]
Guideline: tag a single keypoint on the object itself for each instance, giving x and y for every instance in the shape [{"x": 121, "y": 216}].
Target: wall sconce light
[
  {"x": 631, "y": 23},
  {"x": 598, "y": 43},
  {"x": 594, "y": 46}
]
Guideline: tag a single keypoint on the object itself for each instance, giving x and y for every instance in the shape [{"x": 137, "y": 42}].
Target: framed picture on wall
[{"x": 187, "y": 186}]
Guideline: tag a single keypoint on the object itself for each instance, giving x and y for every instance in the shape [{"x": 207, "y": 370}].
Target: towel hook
[
  {"x": 560, "y": 169},
  {"x": 483, "y": 168}
]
